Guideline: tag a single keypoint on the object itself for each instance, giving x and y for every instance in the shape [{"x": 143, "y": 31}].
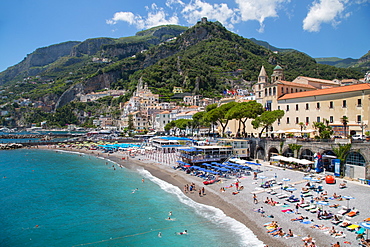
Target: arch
[
  {"x": 288, "y": 153},
  {"x": 355, "y": 158},
  {"x": 306, "y": 154},
  {"x": 272, "y": 150},
  {"x": 260, "y": 153}
]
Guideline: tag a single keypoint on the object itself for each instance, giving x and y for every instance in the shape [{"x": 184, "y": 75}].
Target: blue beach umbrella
[
  {"x": 315, "y": 180},
  {"x": 322, "y": 203},
  {"x": 365, "y": 225},
  {"x": 290, "y": 189}
]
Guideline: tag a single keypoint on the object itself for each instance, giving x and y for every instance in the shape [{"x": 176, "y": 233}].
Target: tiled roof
[
  {"x": 333, "y": 90},
  {"x": 316, "y": 80},
  {"x": 294, "y": 84}
]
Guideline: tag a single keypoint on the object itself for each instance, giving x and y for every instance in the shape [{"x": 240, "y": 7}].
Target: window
[
  {"x": 318, "y": 105},
  {"x": 269, "y": 91},
  {"x": 291, "y": 90},
  {"x": 359, "y": 103},
  {"x": 266, "y": 92},
  {"x": 331, "y": 119},
  {"x": 287, "y": 107},
  {"x": 164, "y": 122},
  {"x": 307, "y": 120},
  {"x": 274, "y": 91},
  {"x": 287, "y": 120},
  {"x": 359, "y": 119},
  {"x": 331, "y": 105},
  {"x": 282, "y": 90},
  {"x": 296, "y": 90},
  {"x": 297, "y": 120},
  {"x": 278, "y": 107},
  {"x": 318, "y": 119},
  {"x": 307, "y": 106},
  {"x": 344, "y": 105},
  {"x": 259, "y": 94},
  {"x": 296, "y": 107},
  {"x": 287, "y": 90}
]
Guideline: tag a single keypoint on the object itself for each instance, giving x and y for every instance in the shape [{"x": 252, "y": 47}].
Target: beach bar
[{"x": 203, "y": 154}]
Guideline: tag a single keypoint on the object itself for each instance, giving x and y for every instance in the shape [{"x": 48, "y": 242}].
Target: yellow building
[
  {"x": 332, "y": 104},
  {"x": 177, "y": 90}
]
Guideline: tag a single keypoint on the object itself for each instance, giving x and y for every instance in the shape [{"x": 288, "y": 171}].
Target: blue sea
[{"x": 54, "y": 198}]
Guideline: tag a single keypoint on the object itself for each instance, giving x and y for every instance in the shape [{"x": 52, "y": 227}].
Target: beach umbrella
[
  {"x": 366, "y": 225},
  {"x": 348, "y": 198},
  {"x": 322, "y": 203},
  {"x": 262, "y": 177},
  {"x": 315, "y": 180}
]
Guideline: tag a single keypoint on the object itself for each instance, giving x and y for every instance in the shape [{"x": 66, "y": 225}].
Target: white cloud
[
  {"x": 170, "y": 3},
  {"x": 156, "y": 17},
  {"x": 324, "y": 11},
  {"x": 197, "y": 9},
  {"x": 259, "y": 10}
]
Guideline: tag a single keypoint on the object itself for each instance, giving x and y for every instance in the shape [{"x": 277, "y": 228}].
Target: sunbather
[
  {"x": 334, "y": 206},
  {"x": 299, "y": 218},
  {"x": 307, "y": 239}
]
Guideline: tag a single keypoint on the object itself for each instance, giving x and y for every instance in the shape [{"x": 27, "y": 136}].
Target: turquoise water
[{"x": 51, "y": 198}]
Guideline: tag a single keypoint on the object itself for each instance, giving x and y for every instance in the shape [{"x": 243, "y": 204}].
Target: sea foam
[{"x": 215, "y": 215}]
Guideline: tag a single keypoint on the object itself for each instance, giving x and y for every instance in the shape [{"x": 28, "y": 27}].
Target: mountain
[
  {"x": 204, "y": 59},
  {"x": 270, "y": 47},
  {"x": 56, "y": 58},
  {"x": 362, "y": 64}
]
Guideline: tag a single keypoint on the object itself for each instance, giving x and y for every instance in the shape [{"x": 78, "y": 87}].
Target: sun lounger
[
  {"x": 344, "y": 210},
  {"x": 352, "y": 213},
  {"x": 312, "y": 206},
  {"x": 307, "y": 194},
  {"x": 304, "y": 205},
  {"x": 340, "y": 219},
  {"x": 345, "y": 223},
  {"x": 352, "y": 227},
  {"x": 314, "y": 210},
  {"x": 360, "y": 231},
  {"x": 283, "y": 196}
]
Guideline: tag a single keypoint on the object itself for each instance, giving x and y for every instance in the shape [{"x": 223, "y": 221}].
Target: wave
[{"x": 215, "y": 215}]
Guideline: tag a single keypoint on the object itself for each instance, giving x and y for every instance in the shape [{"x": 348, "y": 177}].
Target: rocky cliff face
[
  {"x": 95, "y": 83},
  {"x": 33, "y": 63},
  {"x": 90, "y": 46}
]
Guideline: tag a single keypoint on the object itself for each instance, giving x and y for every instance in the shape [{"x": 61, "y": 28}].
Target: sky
[{"x": 319, "y": 28}]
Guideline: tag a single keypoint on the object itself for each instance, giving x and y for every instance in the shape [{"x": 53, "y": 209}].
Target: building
[
  {"x": 241, "y": 148},
  {"x": 332, "y": 104}
]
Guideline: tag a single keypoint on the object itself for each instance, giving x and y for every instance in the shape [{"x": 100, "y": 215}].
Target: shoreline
[{"x": 239, "y": 207}]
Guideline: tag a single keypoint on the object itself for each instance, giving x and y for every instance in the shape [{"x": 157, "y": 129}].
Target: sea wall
[{"x": 10, "y": 146}]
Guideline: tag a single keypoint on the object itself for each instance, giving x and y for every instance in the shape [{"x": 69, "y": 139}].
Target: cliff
[{"x": 33, "y": 63}]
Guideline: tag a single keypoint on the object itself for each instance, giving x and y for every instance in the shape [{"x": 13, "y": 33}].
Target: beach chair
[
  {"x": 314, "y": 210},
  {"x": 345, "y": 223},
  {"x": 304, "y": 205},
  {"x": 282, "y": 196},
  {"x": 360, "y": 231},
  {"x": 352, "y": 213},
  {"x": 312, "y": 206},
  {"x": 344, "y": 210},
  {"x": 352, "y": 227},
  {"x": 340, "y": 219},
  {"x": 309, "y": 194}
]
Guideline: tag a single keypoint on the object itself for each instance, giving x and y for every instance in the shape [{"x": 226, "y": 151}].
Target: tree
[
  {"x": 169, "y": 126},
  {"x": 130, "y": 122},
  {"x": 301, "y": 124},
  {"x": 342, "y": 151},
  {"x": 244, "y": 111},
  {"x": 219, "y": 115},
  {"x": 325, "y": 131},
  {"x": 266, "y": 119},
  {"x": 344, "y": 121}
]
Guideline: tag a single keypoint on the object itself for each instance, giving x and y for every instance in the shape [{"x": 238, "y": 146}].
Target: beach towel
[
  {"x": 286, "y": 210},
  {"x": 306, "y": 222}
]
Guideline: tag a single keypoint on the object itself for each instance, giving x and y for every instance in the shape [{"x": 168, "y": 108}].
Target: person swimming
[
  {"x": 183, "y": 233},
  {"x": 159, "y": 234}
]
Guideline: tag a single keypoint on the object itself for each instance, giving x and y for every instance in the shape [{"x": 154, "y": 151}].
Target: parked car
[{"x": 358, "y": 137}]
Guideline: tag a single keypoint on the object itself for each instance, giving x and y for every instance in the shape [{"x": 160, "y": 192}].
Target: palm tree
[
  {"x": 344, "y": 121},
  {"x": 341, "y": 151}
]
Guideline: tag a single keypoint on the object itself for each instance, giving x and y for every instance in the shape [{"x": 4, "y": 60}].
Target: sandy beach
[{"x": 241, "y": 206}]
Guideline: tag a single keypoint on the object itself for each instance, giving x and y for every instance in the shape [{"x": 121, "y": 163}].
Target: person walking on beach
[
  {"x": 296, "y": 208},
  {"x": 255, "y": 199},
  {"x": 203, "y": 191}
]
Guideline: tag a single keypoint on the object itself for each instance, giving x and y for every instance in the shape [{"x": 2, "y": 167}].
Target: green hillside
[{"x": 206, "y": 59}]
